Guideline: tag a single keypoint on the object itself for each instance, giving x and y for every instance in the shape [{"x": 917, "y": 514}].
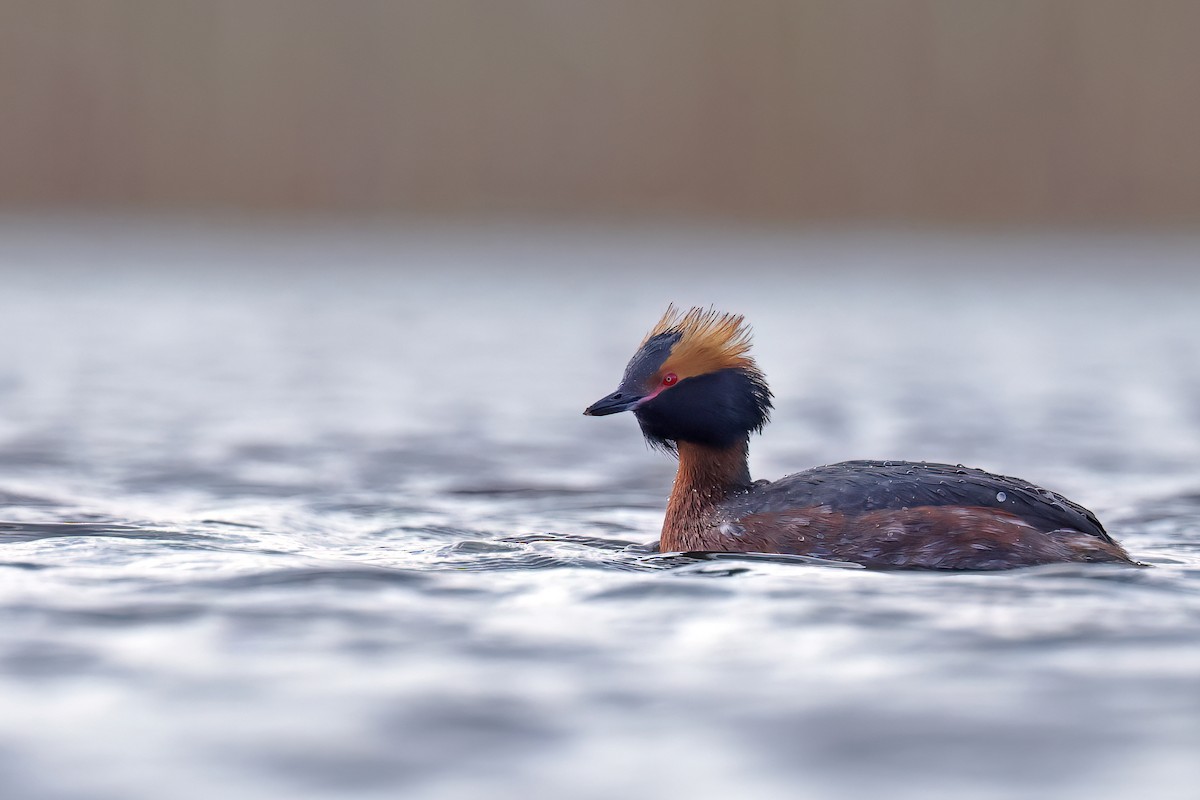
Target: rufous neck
[
  {"x": 712, "y": 469},
  {"x": 706, "y": 476}
]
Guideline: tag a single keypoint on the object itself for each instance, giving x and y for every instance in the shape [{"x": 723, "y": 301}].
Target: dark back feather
[{"x": 853, "y": 487}]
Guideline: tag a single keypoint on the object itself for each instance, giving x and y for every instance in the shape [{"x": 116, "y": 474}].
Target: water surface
[{"x": 311, "y": 511}]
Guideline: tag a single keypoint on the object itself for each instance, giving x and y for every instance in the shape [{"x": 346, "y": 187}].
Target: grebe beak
[{"x": 615, "y": 403}]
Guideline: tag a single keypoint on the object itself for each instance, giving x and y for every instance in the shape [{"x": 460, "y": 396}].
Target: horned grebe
[{"x": 697, "y": 393}]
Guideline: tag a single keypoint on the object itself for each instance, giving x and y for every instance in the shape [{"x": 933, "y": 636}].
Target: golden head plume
[{"x": 708, "y": 341}]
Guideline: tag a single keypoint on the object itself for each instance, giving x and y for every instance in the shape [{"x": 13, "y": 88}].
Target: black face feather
[
  {"x": 718, "y": 409},
  {"x": 647, "y": 361},
  {"x": 639, "y": 378}
]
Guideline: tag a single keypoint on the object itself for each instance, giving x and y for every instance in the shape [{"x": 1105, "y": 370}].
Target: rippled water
[{"x": 309, "y": 511}]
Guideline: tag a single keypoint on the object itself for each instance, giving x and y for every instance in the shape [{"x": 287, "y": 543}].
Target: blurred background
[
  {"x": 1029, "y": 112},
  {"x": 300, "y": 302}
]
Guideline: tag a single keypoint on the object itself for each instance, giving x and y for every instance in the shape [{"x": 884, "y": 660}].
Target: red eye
[{"x": 669, "y": 379}]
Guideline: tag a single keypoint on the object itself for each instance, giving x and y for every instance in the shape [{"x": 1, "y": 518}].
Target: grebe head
[{"x": 692, "y": 380}]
